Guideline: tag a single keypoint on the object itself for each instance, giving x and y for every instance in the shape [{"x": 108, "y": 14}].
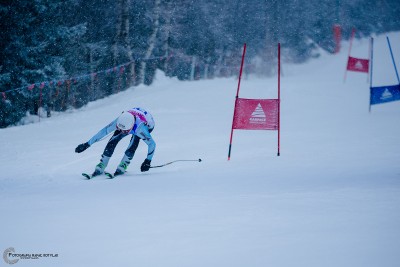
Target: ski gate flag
[
  {"x": 383, "y": 94},
  {"x": 256, "y": 114},
  {"x": 356, "y": 64}
]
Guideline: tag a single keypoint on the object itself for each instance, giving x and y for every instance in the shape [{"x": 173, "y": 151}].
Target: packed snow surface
[{"x": 331, "y": 199}]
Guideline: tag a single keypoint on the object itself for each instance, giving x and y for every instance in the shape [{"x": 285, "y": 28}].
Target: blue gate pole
[
  {"x": 394, "y": 63},
  {"x": 372, "y": 67}
]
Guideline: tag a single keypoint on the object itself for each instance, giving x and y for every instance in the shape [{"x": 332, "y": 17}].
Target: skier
[{"x": 137, "y": 122}]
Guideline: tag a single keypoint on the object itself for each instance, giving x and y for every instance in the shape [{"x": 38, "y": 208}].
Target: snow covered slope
[{"x": 331, "y": 199}]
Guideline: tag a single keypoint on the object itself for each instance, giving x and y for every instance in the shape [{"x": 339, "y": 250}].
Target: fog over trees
[{"x": 60, "y": 54}]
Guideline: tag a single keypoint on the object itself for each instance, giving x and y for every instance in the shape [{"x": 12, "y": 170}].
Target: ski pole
[{"x": 158, "y": 166}]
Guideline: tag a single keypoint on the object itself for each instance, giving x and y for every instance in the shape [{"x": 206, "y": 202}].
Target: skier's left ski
[
  {"x": 89, "y": 176},
  {"x": 109, "y": 175},
  {"x": 112, "y": 176}
]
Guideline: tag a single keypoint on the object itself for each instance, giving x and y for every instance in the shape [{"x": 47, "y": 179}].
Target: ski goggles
[{"x": 124, "y": 131}]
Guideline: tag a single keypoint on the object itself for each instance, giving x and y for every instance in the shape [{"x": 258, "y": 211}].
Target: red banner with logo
[
  {"x": 358, "y": 64},
  {"x": 256, "y": 114}
]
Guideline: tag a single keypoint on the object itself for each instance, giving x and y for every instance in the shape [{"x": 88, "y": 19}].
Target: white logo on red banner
[
  {"x": 258, "y": 115},
  {"x": 359, "y": 65}
]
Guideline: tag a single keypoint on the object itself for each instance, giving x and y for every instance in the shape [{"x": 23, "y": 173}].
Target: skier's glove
[
  {"x": 145, "y": 165},
  {"x": 82, "y": 147}
]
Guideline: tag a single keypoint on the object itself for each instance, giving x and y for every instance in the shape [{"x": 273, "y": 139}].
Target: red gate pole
[
  {"x": 237, "y": 96},
  {"x": 337, "y": 35},
  {"x": 279, "y": 97},
  {"x": 353, "y": 31},
  {"x": 40, "y": 100}
]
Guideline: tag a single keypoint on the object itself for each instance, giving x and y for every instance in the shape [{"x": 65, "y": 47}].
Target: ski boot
[
  {"x": 121, "y": 169},
  {"x": 101, "y": 166}
]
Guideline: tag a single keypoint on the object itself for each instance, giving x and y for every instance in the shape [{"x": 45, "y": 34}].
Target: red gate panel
[
  {"x": 256, "y": 114},
  {"x": 358, "y": 64}
]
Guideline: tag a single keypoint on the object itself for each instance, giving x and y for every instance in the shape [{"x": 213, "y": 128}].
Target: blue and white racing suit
[{"x": 144, "y": 125}]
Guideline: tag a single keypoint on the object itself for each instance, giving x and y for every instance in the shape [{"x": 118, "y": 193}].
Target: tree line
[{"x": 54, "y": 40}]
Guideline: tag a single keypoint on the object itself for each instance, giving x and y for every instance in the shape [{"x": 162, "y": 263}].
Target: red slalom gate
[
  {"x": 356, "y": 64},
  {"x": 256, "y": 114}
]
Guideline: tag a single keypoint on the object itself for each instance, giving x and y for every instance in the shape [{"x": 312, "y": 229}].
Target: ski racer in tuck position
[{"x": 137, "y": 122}]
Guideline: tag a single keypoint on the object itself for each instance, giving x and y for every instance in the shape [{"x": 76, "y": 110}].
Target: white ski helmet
[{"x": 125, "y": 121}]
